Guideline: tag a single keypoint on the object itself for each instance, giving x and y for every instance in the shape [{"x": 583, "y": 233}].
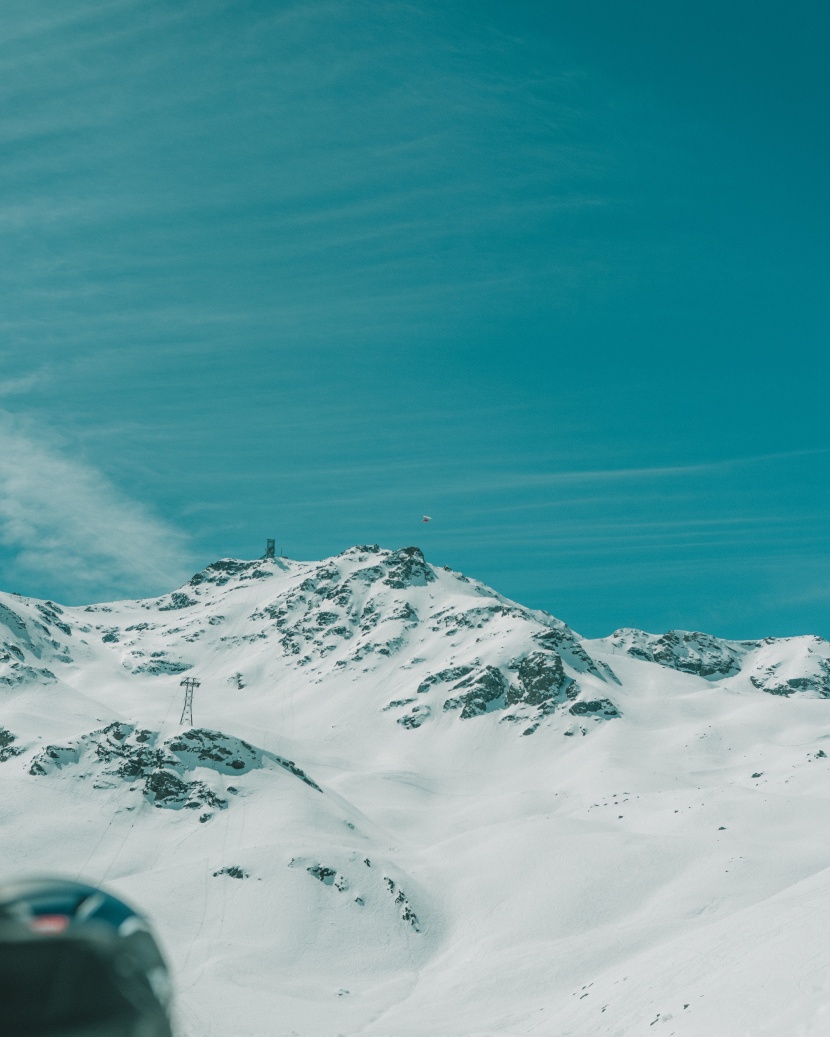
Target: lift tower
[{"x": 189, "y": 683}]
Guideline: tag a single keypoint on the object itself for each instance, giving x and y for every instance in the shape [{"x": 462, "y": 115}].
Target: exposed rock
[
  {"x": 233, "y": 871},
  {"x": 222, "y": 753},
  {"x": 564, "y": 642},
  {"x": 789, "y": 666},
  {"x": 406, "y": 912},
  {"x": 451, "y": 621},
  {"x": 17, "y": 673},
  {"x": 542, "y": 682},
  {"x": 50, "y": 612},
  {"x": 415, "y": 717},
  {"x": 7, "y": 749},
  {"x": 298, "y": 772},
  {"x": 178, "y": 601},
  {"x": 396, "y": 703},
  {"x": 135, "y": 755},
  {"x": 16, "y": 625},
  {"x": 10, "y": 650},
  {"x": 54, "y": 756},
  {"x": 408, "y": 568},
  {"x": 596, "y": 708},
  {"x": 817, "y": 684},
  {"x": 226, "y": 754},
  {"x": 484, "y": 691},
  {"x": 226, "y": 569},
  {"x": 328, "y": 876},
  {"x": 158, "y": 664},
  {"x": 167, "y": 789},
  {"x": 684, "y": 650},
  {"x": 452, "y": 673}
]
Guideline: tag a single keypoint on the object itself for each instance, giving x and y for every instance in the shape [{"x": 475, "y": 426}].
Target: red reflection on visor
[{"x": 49, "y": 923}]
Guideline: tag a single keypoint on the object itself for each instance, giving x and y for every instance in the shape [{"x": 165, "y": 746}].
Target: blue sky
[{"x": 555, "y": 274}]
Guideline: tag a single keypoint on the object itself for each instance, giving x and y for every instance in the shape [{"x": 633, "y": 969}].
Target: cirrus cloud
[{"x": 64, "y": 524}]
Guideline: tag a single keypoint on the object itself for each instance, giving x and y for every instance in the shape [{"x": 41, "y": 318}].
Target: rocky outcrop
[
  {"x": 31, "y": 636},
  {"x": 781, "y": 666},
  {"x": 569, "y": 648},
  {"x": 402, "y": 903},
  {"x": 226, "y": 569},
  {"x": 8, "y": 750},
  {"x": 451, "y": 673},
  {"x": 407, "y": 568},
  {"x": 483, "y": 691},
  {"x": 688, "y": 651},
  {"x": 594, "y": 708},
  {"x": 542, "y": 682},
  {"x": 791, "y": 666},
  {"x": 156, "y": 664},
  {"x": 178, "y": 601},
  {"x": 233, "y": 871},
  {"x": 164, "y": 770}
]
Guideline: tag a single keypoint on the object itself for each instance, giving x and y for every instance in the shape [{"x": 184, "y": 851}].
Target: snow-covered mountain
[{"x": 410, "y": 806}]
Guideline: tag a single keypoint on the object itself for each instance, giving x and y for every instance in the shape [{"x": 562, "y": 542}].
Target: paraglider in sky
[{"x": 426, "y": 518}]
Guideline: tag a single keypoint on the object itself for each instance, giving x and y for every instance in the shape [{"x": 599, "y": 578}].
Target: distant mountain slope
[
  {"x": 445, "y": 644},
  {"x": 410, "y": 805},
  {"x": 780, "y": 666}
]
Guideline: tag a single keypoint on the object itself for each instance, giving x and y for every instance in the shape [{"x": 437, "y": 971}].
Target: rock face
[
  {"x": 540, "y": 684},
  {"x": 31, "y": 633},
  {"x": 688, "y": 651},
  {"x": 791, "y": 666},
  {"x": 164, "y": 771},
  {"x": 407, "y": 568},
  {"x": 779, "y": 666},
  {"x": 8, "y": 749},
  {"x": 484, "y": 691},
  {"x": 233, "y": 871},
  {"x": 226, "y": 569},
  {"x": 600, "y": 708}
]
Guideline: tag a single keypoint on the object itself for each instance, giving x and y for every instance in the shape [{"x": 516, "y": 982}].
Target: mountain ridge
[
  {"x": 321, "y": 608},
  {"x": 402, "y": 787}
]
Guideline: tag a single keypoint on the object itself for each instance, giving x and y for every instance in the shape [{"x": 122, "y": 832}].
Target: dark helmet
[{"x": 78, "y": 962}]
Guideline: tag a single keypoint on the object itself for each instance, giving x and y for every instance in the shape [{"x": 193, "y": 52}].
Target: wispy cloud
[
  {"x": 22, "y": 384},
  {"x": 389, "y": 163},
  {"x": 447, "y": 479},
  {"x": 62, "y": 519}
]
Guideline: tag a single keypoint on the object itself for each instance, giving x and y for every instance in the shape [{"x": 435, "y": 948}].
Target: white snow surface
[{"x": 408, "y": 806}]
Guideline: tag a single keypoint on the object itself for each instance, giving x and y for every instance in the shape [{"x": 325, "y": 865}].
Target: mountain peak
[{"x": 395, "y": 759}]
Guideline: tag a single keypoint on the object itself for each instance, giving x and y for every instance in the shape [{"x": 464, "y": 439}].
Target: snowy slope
[{"x": 410, "y": 806}]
